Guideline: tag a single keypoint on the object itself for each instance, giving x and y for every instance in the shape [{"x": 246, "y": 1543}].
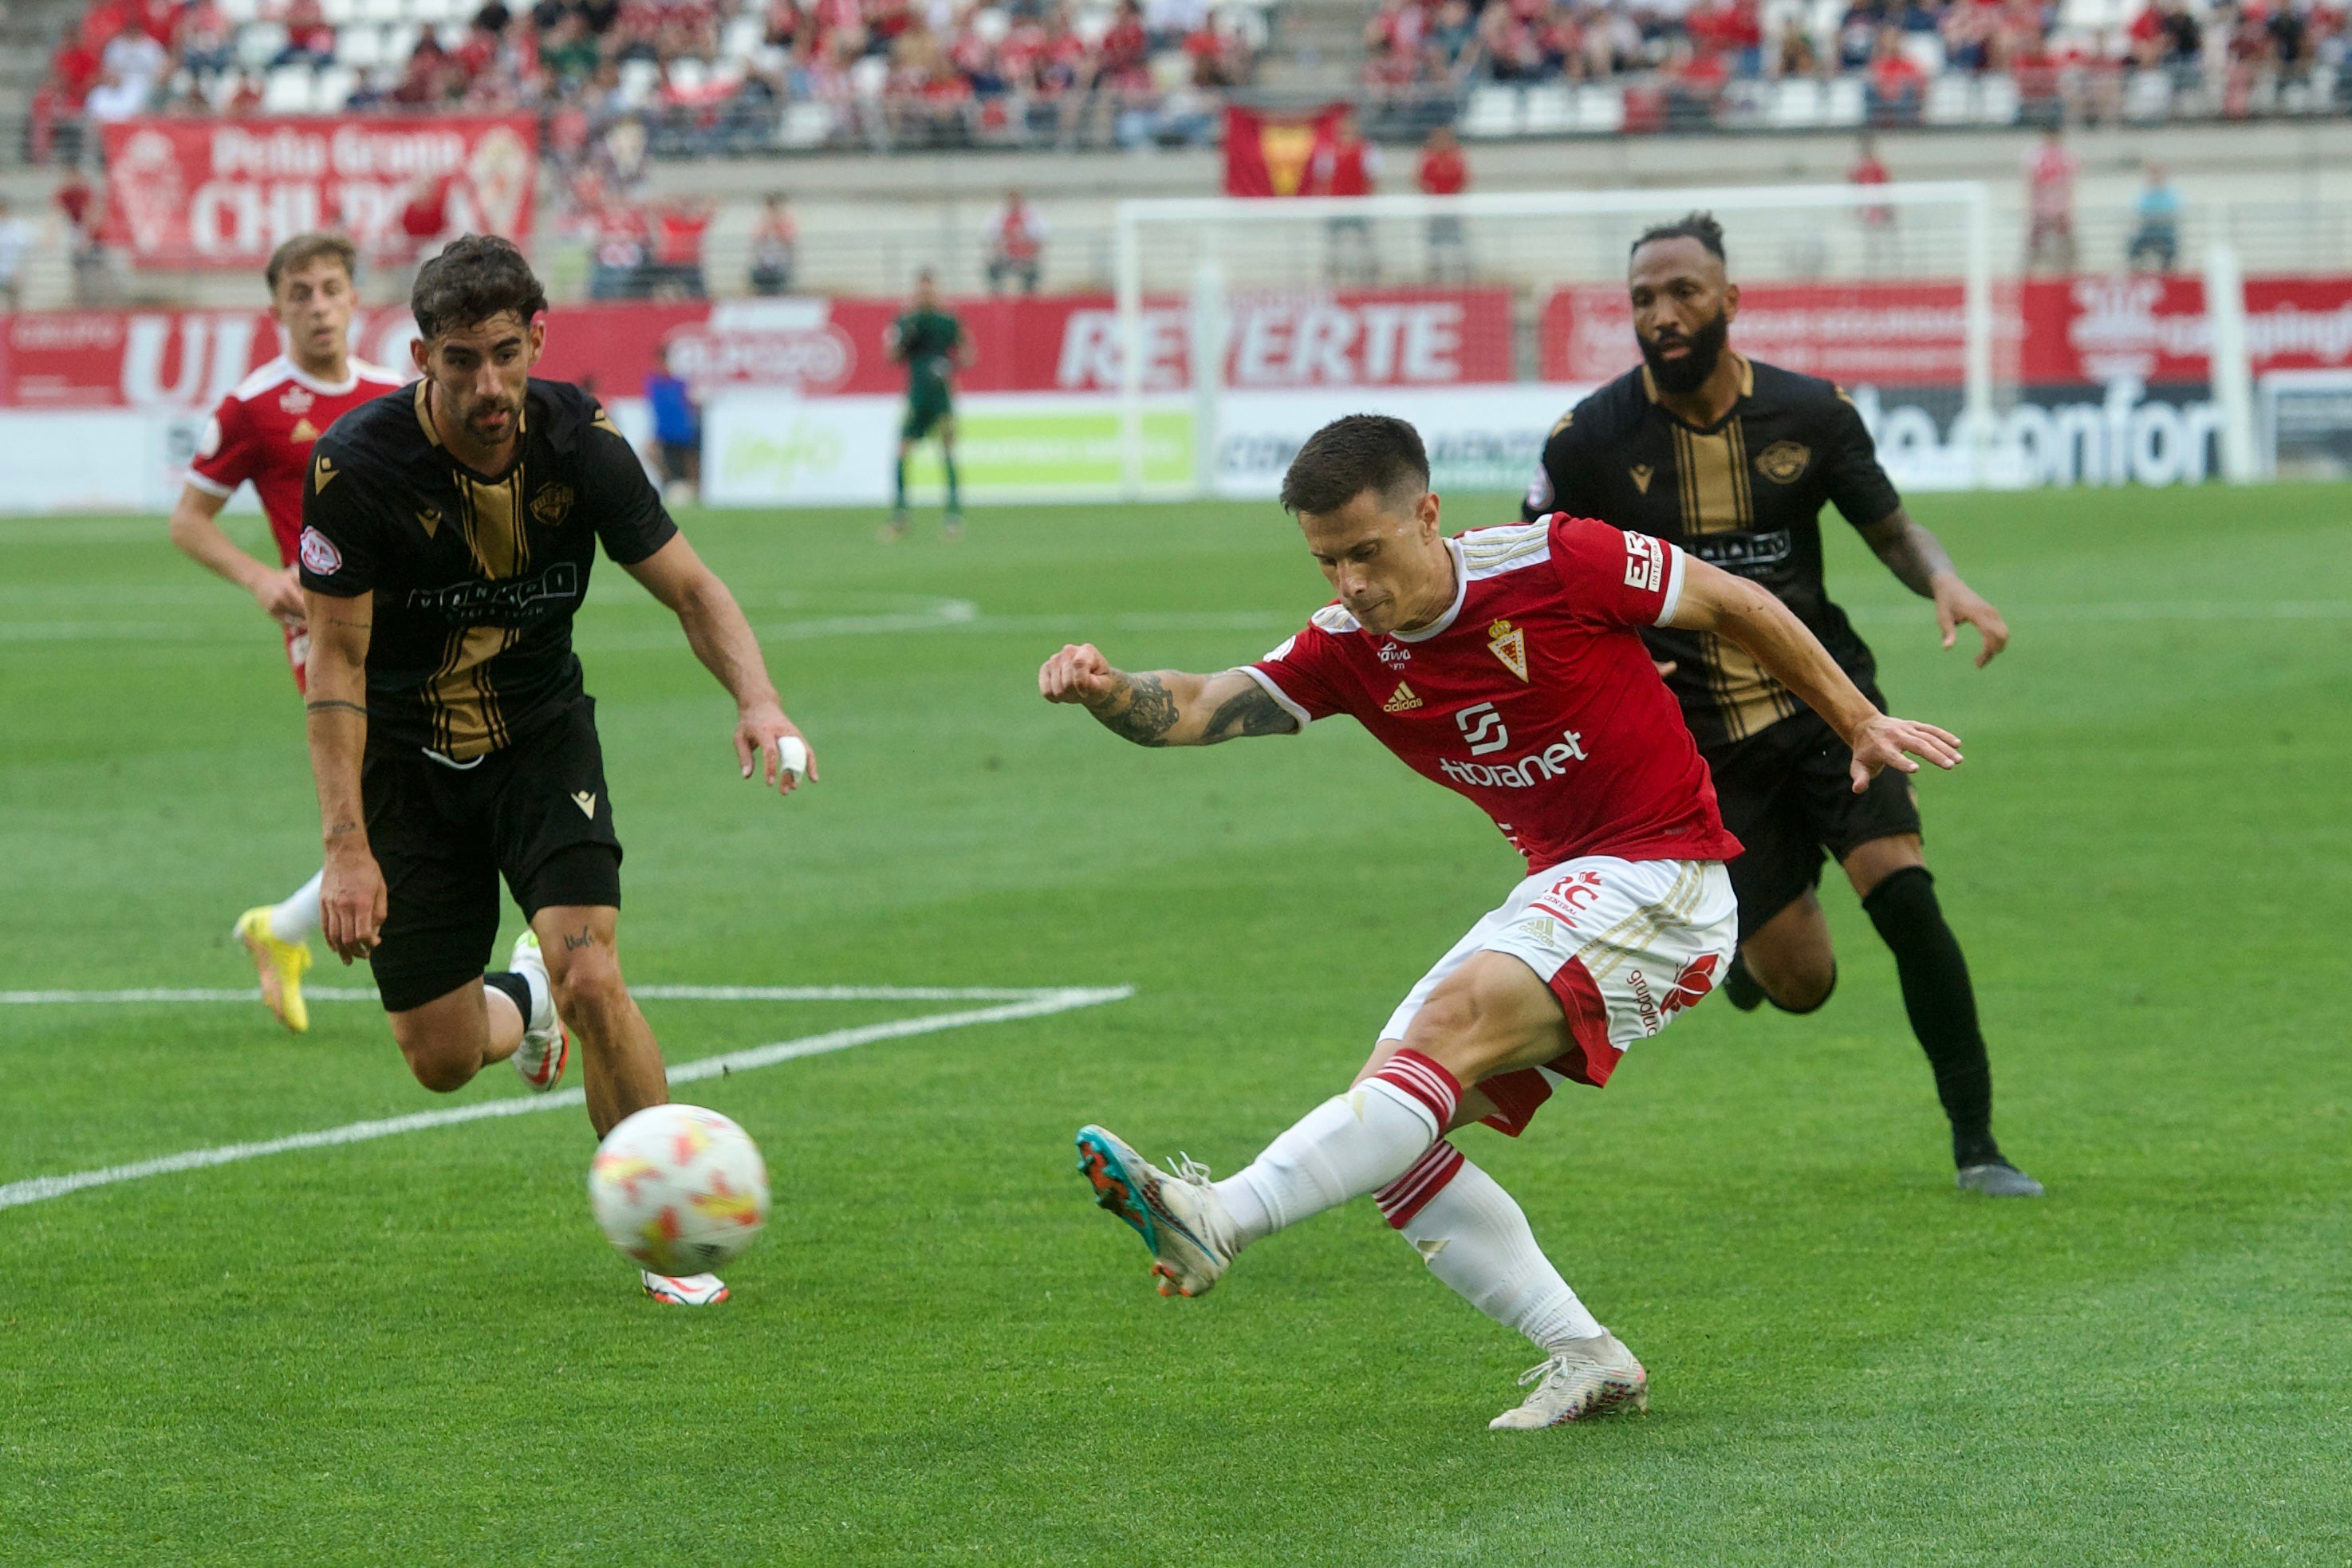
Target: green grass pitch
[{"x": 418, "y": 1351}]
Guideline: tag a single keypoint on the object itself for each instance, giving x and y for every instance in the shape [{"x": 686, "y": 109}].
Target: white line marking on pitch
[
  {"x": 647, "y": 993},
  {"x": 1035, "y": 1004}
]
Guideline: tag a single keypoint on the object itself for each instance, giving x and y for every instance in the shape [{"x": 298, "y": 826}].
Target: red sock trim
[
  {"x": 1426, "y": 1082},
  {"x": 1409, "y": 1193}
]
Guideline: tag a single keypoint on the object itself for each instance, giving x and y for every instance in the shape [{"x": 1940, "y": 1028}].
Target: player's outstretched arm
[
  {"x": 352, "y": 895},
  {"x": 1753, "y": 619},
  {"x": 276, "y": 590},
  {"x": 1162, "y": 707},
  {"x": 1918, "y": 558},
  {"x": 721, "y": 638}
]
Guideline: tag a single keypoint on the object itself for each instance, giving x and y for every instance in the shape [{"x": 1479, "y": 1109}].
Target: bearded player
[
  {"x": 1733, "y": 460},
  {"x": 1507, "y": 665},
  {"x": 448, "y": 536},
  {"x": 262, "y": 434}
]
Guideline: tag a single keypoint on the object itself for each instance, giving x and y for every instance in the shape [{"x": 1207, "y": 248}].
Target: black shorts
[
  {"x": 678, "y": 458},
  {"x": 536, "y": 812},
  {"x": 1786, "y": 796}
]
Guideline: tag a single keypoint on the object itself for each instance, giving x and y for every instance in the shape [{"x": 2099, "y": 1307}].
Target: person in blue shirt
[
  {"x": 2155, "y": 242},
  {"x": 677, "y": 432}
]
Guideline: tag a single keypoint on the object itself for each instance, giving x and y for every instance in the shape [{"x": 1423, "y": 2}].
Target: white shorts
[{"x": 1624, "y": 945}]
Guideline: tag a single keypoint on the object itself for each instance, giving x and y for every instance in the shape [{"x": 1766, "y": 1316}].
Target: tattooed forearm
[
  {"x": 1910, "y": 552},
  {"x": 324, "y": 703},
  {"x": 1247, "y": 712},
  {"x": 1144, "y": 713}
]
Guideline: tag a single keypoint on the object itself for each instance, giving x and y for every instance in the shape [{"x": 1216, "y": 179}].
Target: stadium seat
[
  {"x": 1951, "y": 100},
  {"x": 223, "y": 89},
  {"x": 1924, "y": 50},
  {"x": 258, "y": 43},
  {"x": 1844, "y": 104},
  {"x": 332, "y": 88},
  {"x": 239, "y": 12},
  {"x": 808, "y": 123},
  {"x": 381, "y": 10},
  {"x": 1547, "y": 109},
  {"x": 1089, "y": 26},
  {"x": 743, "y": 37},
  {"x": 287, "y": 91},
  {"x": 338, "y": 12},
  {"x": 400, "y": 42},
  {"x": 2147, "y": 95},
  {"x": 358, "y": 45},
  {"x": 1796, "y": 103},
  {"x": 432, "y": 10},
  {"x": 869, "y": 75},
  {"x": 1493, "y": 110},
  {"x": 639, "y": 78},
  {"x": 1600, "y": 110},
  {"x": 1997, "y": 100}
]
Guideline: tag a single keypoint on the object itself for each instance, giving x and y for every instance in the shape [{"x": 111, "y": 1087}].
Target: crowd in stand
[
  {"x": 717, "y": 73},
  {"x": 1892, "y": 44}
]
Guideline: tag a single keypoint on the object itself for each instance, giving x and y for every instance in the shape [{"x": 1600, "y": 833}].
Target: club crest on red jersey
[{"x": 1510, "y": 644}]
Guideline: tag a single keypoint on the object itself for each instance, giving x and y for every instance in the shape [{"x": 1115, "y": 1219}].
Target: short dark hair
[
  {"x": 305, "y": 248},
  {"x": 1700, "y": 226},
  {"x": 474, "y": 278},
  {"x": 1347, "y": 456}
]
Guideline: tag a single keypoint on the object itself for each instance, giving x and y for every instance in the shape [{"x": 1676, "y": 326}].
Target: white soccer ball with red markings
[{"x": 678, "y": 1189}]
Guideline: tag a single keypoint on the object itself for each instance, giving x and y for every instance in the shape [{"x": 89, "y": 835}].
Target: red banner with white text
[
  {"x": 226, "y": 193},
  {"x": 168, "y": 359},
  {"x": 2051, "y": 332}
]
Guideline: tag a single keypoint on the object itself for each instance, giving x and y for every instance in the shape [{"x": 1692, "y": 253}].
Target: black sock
[
  {"x": 1942, "y": 1005},
  {"x": 1741, "y": 989},
  {"x": 517, "y": 988}
]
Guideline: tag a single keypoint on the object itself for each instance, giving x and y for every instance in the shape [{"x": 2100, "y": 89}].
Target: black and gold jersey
[
  {"x": 1745, "y": 494},
  {"x": 476, "y": 578}
]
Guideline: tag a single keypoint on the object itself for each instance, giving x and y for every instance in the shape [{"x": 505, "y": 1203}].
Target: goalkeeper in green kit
[{"x": 931, "y": 344}]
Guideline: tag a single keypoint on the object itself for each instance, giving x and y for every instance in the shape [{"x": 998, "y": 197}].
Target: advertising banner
[
  {"x": 810, "y": 347},
  {"x": 1892, "y": 334},
  {"x": 224, "y": 193}
]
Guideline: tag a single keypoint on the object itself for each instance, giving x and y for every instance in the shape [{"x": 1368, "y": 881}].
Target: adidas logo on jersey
[
  {"x": 304, "y": 431},
  {"x": 1402, "y": 701}
]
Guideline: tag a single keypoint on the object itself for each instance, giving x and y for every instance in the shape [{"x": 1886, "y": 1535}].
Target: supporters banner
[
  {"x": 224, "y": 193},
  {"x": 187, "y": 360},
  {"x": 1268, "y": 155}
]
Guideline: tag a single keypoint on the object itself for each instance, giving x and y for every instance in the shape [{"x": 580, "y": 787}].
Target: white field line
[
  {"x": 1034, "y": 1004},
  {"x": 645, "y": 993}
]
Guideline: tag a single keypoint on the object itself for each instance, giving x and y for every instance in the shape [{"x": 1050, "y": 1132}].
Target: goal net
[{"x": 1245, "y": 325}]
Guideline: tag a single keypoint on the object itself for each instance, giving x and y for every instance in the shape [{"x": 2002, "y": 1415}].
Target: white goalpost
[{"x": 1221, "y": 340}]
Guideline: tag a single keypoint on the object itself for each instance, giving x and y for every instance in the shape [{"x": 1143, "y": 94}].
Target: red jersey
[
  {"x": 1533, "y": 696},
  {"x": 262, "y": 432}
]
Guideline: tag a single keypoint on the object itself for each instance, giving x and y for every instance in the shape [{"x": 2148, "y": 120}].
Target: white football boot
[
  {"x": 686, "y": 1290},
  {"x": 546, "y": 1045},
  {"x": 1596, "y": 1376},
  {"x": 1178, "y": 1214}
]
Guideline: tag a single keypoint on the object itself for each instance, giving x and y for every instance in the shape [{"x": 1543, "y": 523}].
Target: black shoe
[{"x": 1739, "y": 988}]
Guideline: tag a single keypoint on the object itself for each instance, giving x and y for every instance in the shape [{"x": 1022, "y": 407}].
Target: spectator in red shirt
[
  {"x": 1346, "y": 165},
  {"x": 1443, "y": 171},
  {"x": 1877, "y": 222},
  {"x": 1896, "y": 81},
  {"x": 678, "y": 232},
  {"x": 75, "y": 67}
]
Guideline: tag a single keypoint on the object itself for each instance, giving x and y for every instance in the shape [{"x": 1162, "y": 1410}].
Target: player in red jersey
[
  {"x": 261, "y": 434},
  {"x": 1507, "y": 665}
]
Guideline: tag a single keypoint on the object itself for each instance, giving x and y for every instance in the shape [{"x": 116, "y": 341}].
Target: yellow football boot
[{"x": 282, "y": 965}]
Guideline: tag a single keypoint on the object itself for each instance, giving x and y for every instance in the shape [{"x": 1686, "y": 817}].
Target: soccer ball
[{"x": 678, "y": 1189}]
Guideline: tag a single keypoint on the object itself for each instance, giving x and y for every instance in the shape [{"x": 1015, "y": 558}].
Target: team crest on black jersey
[
  {"x": 553, "y": 504},
  {"x": 1782, "y": 462}
]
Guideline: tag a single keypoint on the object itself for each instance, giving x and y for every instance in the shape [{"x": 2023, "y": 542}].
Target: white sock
[
  {"x": 1474, "y": 1236},
  {"x": 1342, "y": 1149},
  {"x": 297, "y": 917}
]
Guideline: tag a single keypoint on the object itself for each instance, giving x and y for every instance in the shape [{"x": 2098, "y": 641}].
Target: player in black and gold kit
[
  {"x": 449, "y": 530},
  {"x": 1733, "y": 461}
]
